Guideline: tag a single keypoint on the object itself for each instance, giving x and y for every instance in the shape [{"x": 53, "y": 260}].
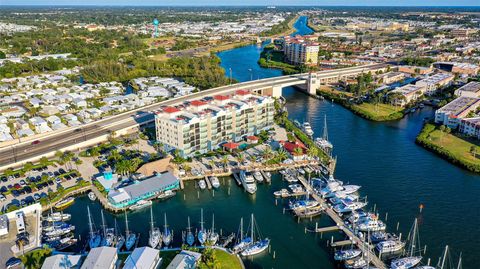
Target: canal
[{"x": 396, "y": 174}]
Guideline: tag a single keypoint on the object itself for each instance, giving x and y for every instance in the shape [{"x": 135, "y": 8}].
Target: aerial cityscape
[{"x": 239, "y": 134}]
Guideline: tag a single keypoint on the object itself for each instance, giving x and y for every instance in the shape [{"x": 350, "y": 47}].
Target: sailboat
[
  {"x": 323, "y": 142},
  {"x": 130, "y": 238},
  {"x": 409, "y": 261},
  {"x": 167, "y": 234},
  {"x": 108, "y": 234},
  {"x": 155, "y": 235},
  {"x": 256, "y": 247},
  {"x": 202, "y": 234},
  {"x": 95, "y": 239},
  {"x": 212, "y": 235},
  {"x": 119, "y": 238},
  {"x": 242, "y": 243},
  {"x": 190, "y": 236}
]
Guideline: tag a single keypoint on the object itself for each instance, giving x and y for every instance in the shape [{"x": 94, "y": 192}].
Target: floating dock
[{"x": 237, "y": 179}]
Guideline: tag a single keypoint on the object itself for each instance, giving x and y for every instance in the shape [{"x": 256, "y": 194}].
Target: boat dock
[
  {"x": 341, "y": 243},
  {"x": 265, "y": 176},
  {"x": 354, "y": 239},
  {"x": 237, "y": 179},
  {"x": 209, "y": 184},
  {"x": 324, "y": 229}
]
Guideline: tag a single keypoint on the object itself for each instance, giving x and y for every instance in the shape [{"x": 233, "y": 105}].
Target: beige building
[
  {"x": 204, "y": 125},
  {"x": 410, "y": 93},
  {"x": 471, "y": 89},
  {"x": 300, "y": 50},
  {"x": 420, "y": 70},
  {"x": 434, "y": 82},
  {"x": 451, "y": 114}
]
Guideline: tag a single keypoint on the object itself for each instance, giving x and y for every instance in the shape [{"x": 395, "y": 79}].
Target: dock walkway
[{"x": 336, "y": 218}]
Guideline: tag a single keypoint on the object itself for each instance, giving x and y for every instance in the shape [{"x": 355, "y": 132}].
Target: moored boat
[
  {"x": 201, "y": 184},
  {"x": 347, "y": 254},
  {"x": 215, "y": 182},
  {"x": 65, "y": 202},
  {"x": 248, "y": 181},
  {"x": 140, "y": 205}
]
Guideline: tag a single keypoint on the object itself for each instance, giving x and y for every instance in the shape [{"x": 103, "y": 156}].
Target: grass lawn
[
  {"x": 35, "y": 258},
  {"x": 379, "y": 110},
  {"x": 167, "y": 257},
  {"x": 457, "y": 146},
  {"x": 225, "y": 261}
]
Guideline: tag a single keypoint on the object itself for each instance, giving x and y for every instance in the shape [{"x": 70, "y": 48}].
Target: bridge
[{"x": 18, "y": 152}]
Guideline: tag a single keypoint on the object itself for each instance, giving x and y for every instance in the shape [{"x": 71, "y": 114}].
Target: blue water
[{"x": 396, "y": 174}]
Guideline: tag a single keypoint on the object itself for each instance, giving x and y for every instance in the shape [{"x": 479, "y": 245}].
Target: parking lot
[{"x": 34, "y": 185}]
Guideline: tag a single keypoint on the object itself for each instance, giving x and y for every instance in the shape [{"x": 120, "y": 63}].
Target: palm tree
[
  {"x": 240, "y": 159},
  {"x": 312, "y": 152},
  {"x": 225, "y": 162},
  {"x": 253, "y": 159},
  {"x": 267, "y": 153},
  {"x": 122, "y": 167},
  {"x": 212, "y": 164},
  {"x": 298, "y": 151}
]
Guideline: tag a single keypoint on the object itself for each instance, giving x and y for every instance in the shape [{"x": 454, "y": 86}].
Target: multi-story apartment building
[
  {"x": 471, "y": 89},
  {"x": 470, "y": 127},
  {"x": 434, "y": 82},
  {"x": 451, "y": 114},
  {"x": 206, "y": 124},
  {"x": 410, "y": 93},
  {"x": 300, "y": 50}
]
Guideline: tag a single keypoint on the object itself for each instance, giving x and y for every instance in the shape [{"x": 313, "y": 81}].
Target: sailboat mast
[
  {"x": 251, "y": 229},
  {"x": 241, "y": 229},
  {"x": 459, "y": 266},
  {"x": 103, "y": 223},
  {"x": 90, "y": 221},
  {"x": 126, "y": 224},
  {"x": 165, "y": 220},
  {"x": 325, "y": 131},
  {"x": 213, "y": 223},
  {"x": 151, "y": 219},
  {"x": 412, "y": 244},
  {"x": 444, "y": 257},
  {"x": 188, "y": 228},
  {"x": 201, "y": 219}
]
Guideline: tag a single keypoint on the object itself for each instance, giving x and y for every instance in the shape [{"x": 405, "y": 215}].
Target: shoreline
[{"x": 423, "y": 139}]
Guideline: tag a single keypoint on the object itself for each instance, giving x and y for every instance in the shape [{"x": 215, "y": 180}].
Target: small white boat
[
  {"x": 296, "y": 188},
  {"x": 342, "y": 255},
  {"x": 215, "y": 182},
  {"x": 348, "y": 189},
  {"x": 390, "y": 246},
  {"x": 166, "y": 194},
  {"x": 291, "y": 179},
  {"x": 268, "y": 176},
  {"x": 140, "y": 205},
  {"x": 349, "y": 207},
  {"x": 201, "y": 184},
  {"x": 258, "y": 176},
  {"x": 307, "y": 129},
  {"x": 281, "y": 193},
  {"x": 92, "y": 196},
  {"x": 405, "y": 263},
  {"x": 359, "y": 263},
  {"x": 58, "y": 216},
  {"x": 303, "y": 204},
  {"x": 372, "y": 225}
]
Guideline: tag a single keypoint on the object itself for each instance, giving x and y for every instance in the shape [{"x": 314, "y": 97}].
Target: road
[{"x": 26, "y": 150}]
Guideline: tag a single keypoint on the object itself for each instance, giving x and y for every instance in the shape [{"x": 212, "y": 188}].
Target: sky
[{"x": 247, "y": 2}]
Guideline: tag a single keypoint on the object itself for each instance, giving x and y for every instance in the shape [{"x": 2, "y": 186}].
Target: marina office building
[{"x": 204, "y": 125}]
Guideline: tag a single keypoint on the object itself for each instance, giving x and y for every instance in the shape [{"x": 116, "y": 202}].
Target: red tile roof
[
  {"x": 252, "y": 137},
  {"x": 221, "y": 97},
  {"x": 242, "y": 92},
  {"x": 171, "y": 109},
  {"x": 231, "y": 145},
  {"x": 291, "y": 146},
  {"x": 198, "y": 103}
]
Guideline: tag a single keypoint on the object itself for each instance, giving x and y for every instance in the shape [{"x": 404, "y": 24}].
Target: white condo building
[{"x": 204, "y": 125}]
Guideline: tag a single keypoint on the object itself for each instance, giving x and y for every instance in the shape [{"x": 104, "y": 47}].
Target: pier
[
  {"x": 341, "y": 243},
  {"x": 354, "y": 239}
]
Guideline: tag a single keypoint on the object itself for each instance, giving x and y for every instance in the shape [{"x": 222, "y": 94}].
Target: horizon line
[{"x": 230, "y": 5}]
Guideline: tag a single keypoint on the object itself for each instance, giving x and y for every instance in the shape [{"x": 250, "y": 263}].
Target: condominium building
[
  {"x": 204, "y": 125},
  {"x": 451, "y": 114},
  {"x": 471, "y": 89},
  {"x": 434, "y": 82},
  {"x": 300, "y": 50},
  {"x": 410, "y": 93},
  {"x": 470, "y": 127}
]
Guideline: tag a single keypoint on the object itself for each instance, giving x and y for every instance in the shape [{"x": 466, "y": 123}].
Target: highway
[
  {"x": 71, "y": 136},
  {"x": 27, "y": 149}
]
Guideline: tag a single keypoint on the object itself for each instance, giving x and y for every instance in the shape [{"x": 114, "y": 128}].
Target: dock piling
[
  {"x": 386, "y": 216},
  {"x": 398, "y": 224},
  {"x": 198, "y": 195},
  {"x": 274, "y": 254}
]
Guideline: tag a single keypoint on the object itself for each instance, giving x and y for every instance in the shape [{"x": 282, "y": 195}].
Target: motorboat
[
  {"x": 356, "y": 263},
  {"x": 371, "y": 225},
  {"x": 376, "y": 237},
  {"x": 349, "y": 206},
  {"x": 347, "y": 254},
  {"x": 390, "y": 246},
  {"x": 296, "y": 188},
  {"x": 215, "y": 182},
  {"x": 58, "y": 216},
  {"x": 291, "y": 179},
  {"x": 268, "y": 176},
  {"x": 308, "y": 212},
  {"x": 258, "y": 176},
  {"x": 303, "y": 204},
  {"x": 281, "y": 193},
  {"x": 248, "y": 181},
  {"x": 347, "y": 199},
  {"x": 201, "y": 184},
  {"x": 166, "y": 194},
  {"x": 297, "y": 123},
  {"x": 307, "y": 128},
  {"x": 92, "y": 196},
  {"x": 406, "y": 262},
  {"x": 65, "y": 202},
  {"x": 140, "y": 205},
  {"x": 348, "y": 189}
]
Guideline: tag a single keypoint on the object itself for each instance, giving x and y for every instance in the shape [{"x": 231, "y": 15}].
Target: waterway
[{"x": 396, "y": 174}]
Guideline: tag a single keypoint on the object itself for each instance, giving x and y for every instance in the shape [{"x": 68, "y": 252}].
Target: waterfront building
[
  {"x": 410, "y": 93},
  {"x": 470, "y": 127},
  {"x": 143, "y": 189},
  {"x": 185, "y": 260},
  {"x": 451, "y": 114},
  {"x": 391, "y": 77},
  {"x": 291, "y": 148},
  {"x": 144, "y": 258},
  {"x": 107, "y": 179},
  {"x": 300, "y": 50},
  {"x": 434, "y": 82},
  {"x": 206, "y": 124},
  {"x": 62, "y": 261},
  {"x": 101, "y": 258},
  {"x": 471, "y": 89}
]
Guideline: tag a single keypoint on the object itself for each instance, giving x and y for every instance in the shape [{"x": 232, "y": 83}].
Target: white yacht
[
  {"x": 140, "y": 204},
  {"x": 307, "y": 128},
  {"x": 371, "y": 225},
  {"x": 258, "y": 176},
  {"x": 342, "y": 255},
  {"x": 201, "y": 184},
  {"x": 390, "y": 246},
  {"x": 348, "y": 207},
  {"x": 248, "y": 181},
  {"x": 356, "y": 263},
  {"x": 296, "y": 188},
  {"x": 405, "y": 263},
  {"x": 215, "y": 182},
  {"x": 303, "y": 204},
  {"x": 349, "y": 189}
]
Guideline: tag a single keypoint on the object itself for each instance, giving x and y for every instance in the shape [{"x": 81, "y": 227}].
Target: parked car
[
  {"x": 36, "y": 197},
  {"x": 22, "y": 182},
  {"x": 13, "y": 262},
  {"x": 2, "y": 197}
]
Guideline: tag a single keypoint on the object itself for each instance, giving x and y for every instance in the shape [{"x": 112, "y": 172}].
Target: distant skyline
[{"x": 244, "y": 2}]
